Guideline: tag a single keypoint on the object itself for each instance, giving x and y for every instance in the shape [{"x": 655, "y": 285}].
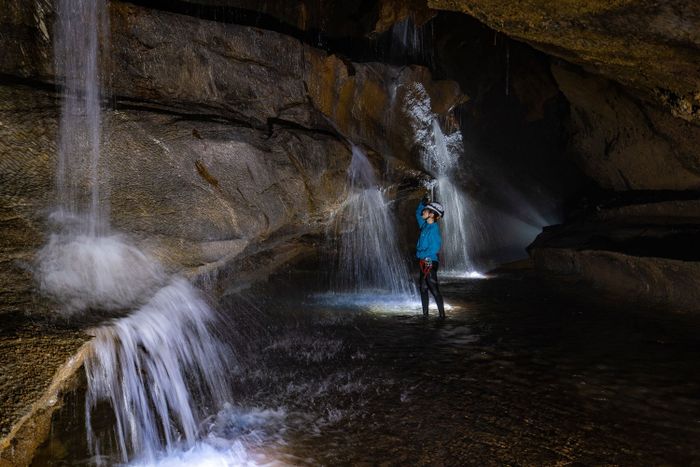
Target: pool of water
[{"x": 521, "y": 372}]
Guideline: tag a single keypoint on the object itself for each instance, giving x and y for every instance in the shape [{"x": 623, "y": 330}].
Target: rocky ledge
[{"x": 638, "y": 251}]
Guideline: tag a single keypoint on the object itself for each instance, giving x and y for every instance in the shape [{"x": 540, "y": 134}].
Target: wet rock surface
[
  {"x": 255, "y": 77},
  {"x": 227, "y": 157},
  {"x": 234, "y": 185},
  {"x": 224, "y": 154},
  {"x": 31, "y": 354},
  {"x": 638, "y": 245}
]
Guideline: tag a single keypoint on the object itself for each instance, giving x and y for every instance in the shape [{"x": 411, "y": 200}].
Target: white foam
[
  {"x": 84, "y": 272},
  {"x": 236, "y": 437},
  {"x": 156, "y": 368}
]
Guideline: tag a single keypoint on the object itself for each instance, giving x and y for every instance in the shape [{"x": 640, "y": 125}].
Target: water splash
[
  {"x": 368, "y": 257},
  {"x": 156, "y": 368},
  {"x": 85, "y": 273},
  {"x": 440, "y": 157}
]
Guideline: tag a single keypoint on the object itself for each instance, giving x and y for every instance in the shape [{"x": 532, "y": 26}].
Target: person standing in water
[{"x": 429, "y": 243}]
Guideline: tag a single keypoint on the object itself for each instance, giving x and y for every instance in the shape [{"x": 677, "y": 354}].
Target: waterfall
[
  {"x": 441, "y": 155},
  {"x": 79, "y": 29},
  {"x": 407, "y": 38},
  {"x": 457, "y": 224},
  {"x": 368, "y": 257},
  {"x": 160, "y": 367},
  {"x": 411, "y": 43}
]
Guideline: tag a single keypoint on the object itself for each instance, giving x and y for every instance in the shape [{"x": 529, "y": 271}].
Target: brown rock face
[
  {"x": 366, "y": 102},
  {"x": 225, "y": 150},
  {"x": 244, "y": 83},
  {"x": 648, "y": 45},
  {"x": 280, "y": 185},
  {"x": 664, "y": 281},
  {"x": 262, "y": 77},
  {"x": 624, "y": 143},
  {"x": 334, "y": 18},
  {"x": 255, "y": 77}
]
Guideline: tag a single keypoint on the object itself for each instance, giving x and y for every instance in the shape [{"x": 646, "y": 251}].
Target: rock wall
[
  {"x": 225, "y": 155},
  {"x": 625, "y": 143},
  {"x": 223, "y": 140},
  {"x": 628, "y": 70},
  {"x": 649, "y": 46}
]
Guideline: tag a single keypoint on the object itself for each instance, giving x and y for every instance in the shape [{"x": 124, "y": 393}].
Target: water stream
[
  {"x": 156, "y": 363},
  {"x": 80, "y": 29},
  {"x": 368, "y": 260},
  {"x": 441, "y": 155}
]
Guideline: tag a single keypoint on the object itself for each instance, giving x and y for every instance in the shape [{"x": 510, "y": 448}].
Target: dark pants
[{"x": 427, "y": 283}]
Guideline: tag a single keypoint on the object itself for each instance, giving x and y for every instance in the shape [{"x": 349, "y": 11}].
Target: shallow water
[{"x": 520, "y": 373}]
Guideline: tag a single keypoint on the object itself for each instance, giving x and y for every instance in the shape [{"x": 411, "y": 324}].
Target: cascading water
[
  {"x": 368, "y": 257},
  {"x": 456, "y": 224},
  {"x": 80, "y": 27},
  {"x": 157, "y": 367},
  {"x": 160, "y": 367},
  {"x": 441, "y": 158}
]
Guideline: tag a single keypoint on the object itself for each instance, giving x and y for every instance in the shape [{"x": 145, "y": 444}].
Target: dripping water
[{"x": 368, "y": 257}]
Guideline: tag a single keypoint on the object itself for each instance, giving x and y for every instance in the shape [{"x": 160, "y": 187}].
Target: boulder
[{"x": 633, "y": 250}]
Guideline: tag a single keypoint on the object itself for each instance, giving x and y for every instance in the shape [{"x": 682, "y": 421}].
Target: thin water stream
[
  {"x": 520, "y": 373},
  {"x": 155, "y": 362}
]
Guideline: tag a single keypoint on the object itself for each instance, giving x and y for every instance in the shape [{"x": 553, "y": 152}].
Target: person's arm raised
[{"x": 419, "y": 211}]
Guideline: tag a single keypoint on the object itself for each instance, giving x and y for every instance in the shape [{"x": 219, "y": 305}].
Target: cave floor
[{"x": 521, "y": 373}]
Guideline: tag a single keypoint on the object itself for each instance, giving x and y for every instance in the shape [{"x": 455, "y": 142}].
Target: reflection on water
[{"x": 518, "y": 374}]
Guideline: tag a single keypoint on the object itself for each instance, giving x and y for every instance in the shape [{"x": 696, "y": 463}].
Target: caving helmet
[{"x": 436, "y": 208}]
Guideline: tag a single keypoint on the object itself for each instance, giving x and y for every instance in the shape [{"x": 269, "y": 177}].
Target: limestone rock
[
  {"x": 624, "y": 143},
  {"x": 284, "y": 184},
  {"x": 256, "y": 77},
  {"x": 648, "y": 45},
  {"x": 333, "y": 18}
]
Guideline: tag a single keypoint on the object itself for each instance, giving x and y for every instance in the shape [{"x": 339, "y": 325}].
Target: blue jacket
[{"x": 430, "y": 239}]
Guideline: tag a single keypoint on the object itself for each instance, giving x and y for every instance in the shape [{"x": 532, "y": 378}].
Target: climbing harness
[{"x": 425, "y": 266}]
